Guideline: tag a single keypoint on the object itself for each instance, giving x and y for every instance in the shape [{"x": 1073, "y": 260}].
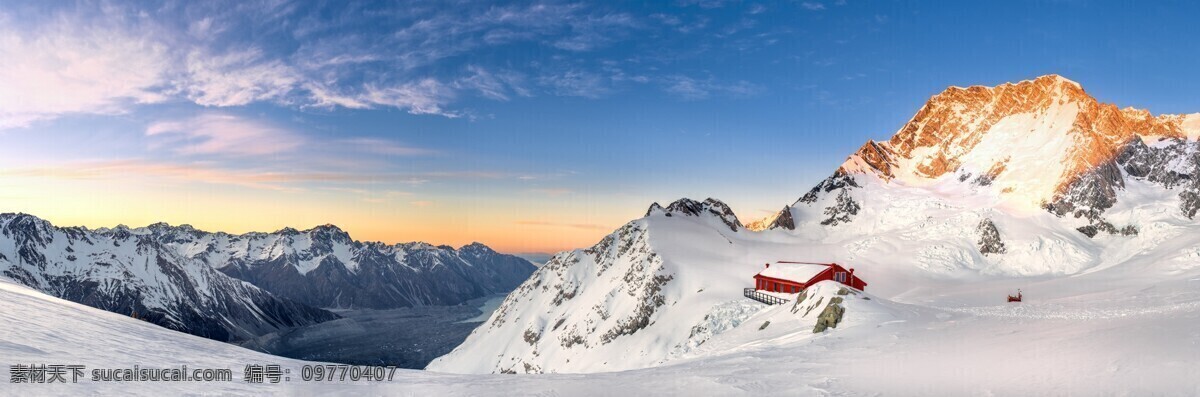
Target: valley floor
[
  {"x": 408, "y": 337},
  {"x": 1066, "y": 339}
]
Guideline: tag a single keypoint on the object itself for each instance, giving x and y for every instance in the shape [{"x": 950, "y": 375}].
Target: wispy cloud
[
  {"x": 689, "y": 88},
  {"x": 812, "y": 6},
  {"x": 705, "y": 3},
  {"x": 426, "y": 96},
  {"x": 222, "y": 134},
  {"x": 493, "y": 85},
  {"x": 546, "y": 176},
  {"x": 377, "y": 197},
  {"x": 579, "y": 83},
  {"x": 384, "y": 147},
  {"x": 62, "y": 67},
  {"x": 207, "y": 172},
  {"x": 236, "y": 78},
  {"x": 115, "y": 169},
  {"x": 594, "y": 32}
]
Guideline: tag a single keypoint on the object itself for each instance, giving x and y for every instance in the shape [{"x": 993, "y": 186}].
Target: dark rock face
[
  {"x": 1190, "y": 202},
  {"x": 987, "y": 178},
  {"x": 842, "y": 211},
  {"x": 1090, "y": 194},
  {"x": 137, "y": 275},
  {"x": 1172, "y": 163},
  {"x": 989, "y": 238},
  {"x": 838, "y": 181},
  {"x": 784, "y": 220},
  {"x": 689, "y": 207}
]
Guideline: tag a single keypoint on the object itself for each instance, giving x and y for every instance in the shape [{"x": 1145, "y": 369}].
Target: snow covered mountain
[
  {"x": 653, "y": 291},
  {"x": 323, "y": 267},
  {"x": 1041, "y": 144},
  {"x": 138, "y": 274},
  {"x": 188, "y": 280},
  {"x": 997, "y": 188}
]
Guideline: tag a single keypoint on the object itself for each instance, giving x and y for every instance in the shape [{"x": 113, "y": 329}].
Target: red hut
[{"x": 793, "y": 277}]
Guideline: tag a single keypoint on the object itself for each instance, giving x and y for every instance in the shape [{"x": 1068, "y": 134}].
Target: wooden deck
[{"x": 764, "y": 298}]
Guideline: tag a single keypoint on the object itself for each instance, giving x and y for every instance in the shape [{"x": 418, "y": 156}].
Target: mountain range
[{"x": 234, "y": 287}]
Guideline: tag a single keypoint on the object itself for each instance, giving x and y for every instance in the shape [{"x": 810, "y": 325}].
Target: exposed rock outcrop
[
  {"x": 831, "y": 316},
  {"x": 989, "y": 238},
  {"x": 689, "y": 207}
]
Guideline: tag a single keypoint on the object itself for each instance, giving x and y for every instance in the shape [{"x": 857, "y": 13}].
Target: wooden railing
[{"x": 764, "y": 298}]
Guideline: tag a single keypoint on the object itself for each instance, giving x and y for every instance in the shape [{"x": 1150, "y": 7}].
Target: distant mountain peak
[
  {"x": 328, "y": 227},
  {"x": 476, "y": 247},
  {"x": 27, "y": 228},
  {"x": 1029, "y": 139},
  {"x": 654, "y": 208},
  {"x": 329, "y": 232},
  {"x": 778, "y": 220},
  {"x": 288, "y": 231},
  {"x": 688, "y": 207}
]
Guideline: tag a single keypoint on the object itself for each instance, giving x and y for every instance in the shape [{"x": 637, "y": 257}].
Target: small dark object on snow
[{"x": 1015, "y": 298}]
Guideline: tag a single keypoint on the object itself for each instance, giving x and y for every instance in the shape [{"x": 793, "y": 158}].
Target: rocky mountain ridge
[
  {"x": 231, "y": 287},
  {"x": 1037, "y": 145},
  {"x": 137, "y": 275}
]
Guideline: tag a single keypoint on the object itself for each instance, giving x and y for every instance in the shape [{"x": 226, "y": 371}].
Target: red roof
[{"x": 794, "y": 271}]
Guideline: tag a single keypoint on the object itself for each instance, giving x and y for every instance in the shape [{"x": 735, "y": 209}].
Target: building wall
[
  {"x": 776, "y": 285},
  {"x": 763, "y": 283}
]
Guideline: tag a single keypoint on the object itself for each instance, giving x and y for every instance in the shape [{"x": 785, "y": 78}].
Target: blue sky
[{"x": 553, "y": 122}]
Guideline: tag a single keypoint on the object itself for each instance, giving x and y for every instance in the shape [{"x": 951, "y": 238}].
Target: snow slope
[
  {"x": 1071, "y": 339},
  {"x": 573, "y": 315}
]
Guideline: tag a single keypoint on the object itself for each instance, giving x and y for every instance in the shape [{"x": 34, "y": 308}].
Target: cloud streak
[
  {"x": 223, "y": 134},
  {"x": 384, "y": 147},
  {"x": 259, "y": 179},
  {"x": 812, "y": 6},
  {"x": 692, "y": 89},
  {"x": 67, "y": 68}
]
